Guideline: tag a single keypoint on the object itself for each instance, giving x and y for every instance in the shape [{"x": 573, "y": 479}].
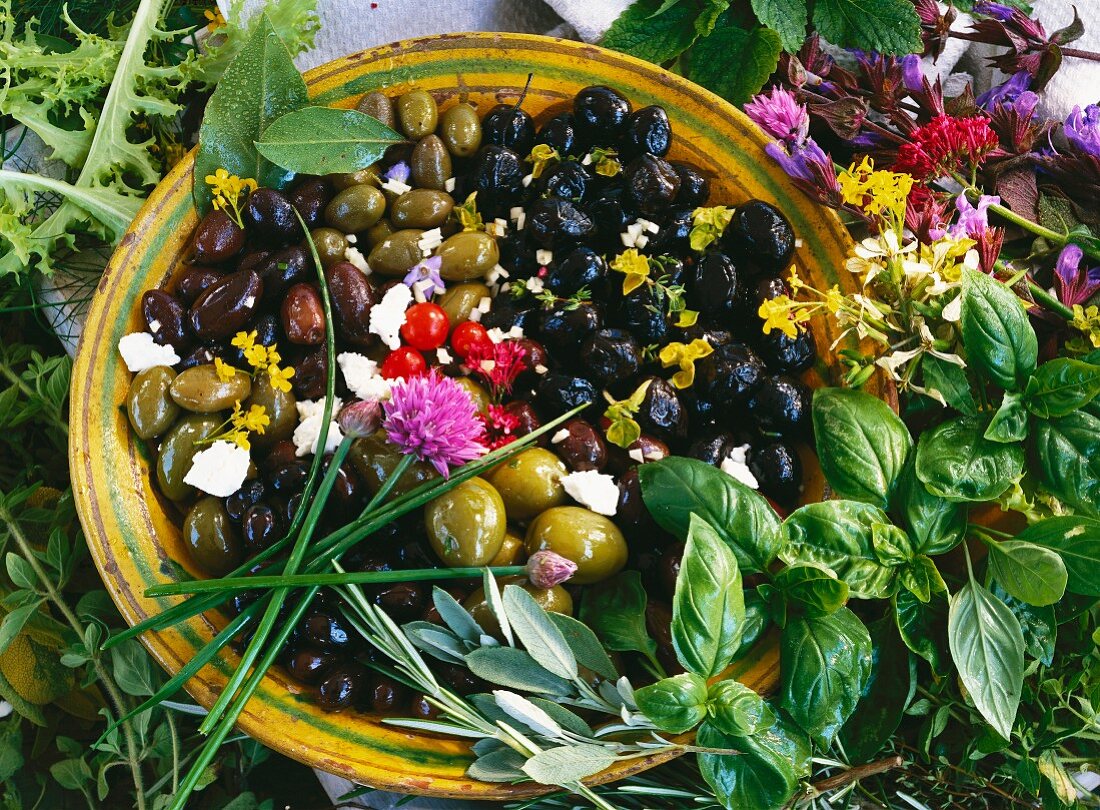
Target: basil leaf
[
  {"x": 676, "y": 488},
  {"x": 837, "y": 535},
  {"x": 951, "y": 382},
  {"x": 708, "y": 607},
  {"x": 956, "y": 462},
  {"x": 674, "y": 704},
  {"x": 258, "y": 86},
  {"x": 615, "y": 610},
  {"x": 1039, "y": 625},
  {"x": 764, "y": 774},
  {"x": 999, "y": 339},
  {"x": 788, "y": 18},
  {"x": 756, "y": 622},
  {"x": 891, "y": 544},
  {"x": 861, "y": 444},
  {"x": 516, "y": 669},
  {"x": 824, "y": 663},
  {"x": 987, "y": 646},
  {"x": 1077, "y": 541},
  {"x": 1069, "y": 459},
  {"x": 811, "y": 590},
  {"x": 935, "y": 525},
  {"x": 1009, "y": 423},
  {"x": 324, "y": 140},
  {"x": 736, "y": 709},
  {"x": 640, "y": 31},
  {"x": 540, "y": 636},
  {"x": 1031, "y": 573},
  {"x": 891, "y": 27},
  {"x": 889, "y": 690},
  {"x": 923, "y": 628},
  {"x": 584, "y": 644},
  {"x": 733, "y": 62},
  {"x": 921, "y": 578},
  {"x": 1062, "y": 386}
]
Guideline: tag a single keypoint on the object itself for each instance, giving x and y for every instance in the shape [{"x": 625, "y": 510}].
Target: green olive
[
  {"x": 279, "y": 407},
  {"x": 461, "y": 299},
  {"x": 476, "y": 392},
  {"x": 421, "y": 208},
  {"x": 430, "y": 164},
  {"x": 370, "y": 176},
  {"x": 178, "y": 449},
  {"x": 466, "y": 524},
  {"x": 201, "y": 390},
  {"x": 355, "y": 208},
  {"x": 417, "y": 114},
  {"x": 592, "y": 541},
  {"x": 375, "y": 459},
  {"x": 395, "y": 254},
  {"x": 529, "y": 483},
  {"x": 554, "y": 600},
  {"x": 511, "y": 551},
  {"x": 378, "y": 105},
  {"x": 377, "y": 233},
  {"x": 211, "y": 537},
  {"x": 460, "y": 128},
  {"x": 331, "y": 245},
  {"x": 467, "y": 255},
  {"x": 149, "y": 404}
]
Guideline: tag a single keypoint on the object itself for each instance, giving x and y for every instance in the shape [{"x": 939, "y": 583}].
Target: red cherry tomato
[
  {"x": 466, "y": 335},
  {"x": 404, "y": 362},
  {"x": 426, "y": 326}
]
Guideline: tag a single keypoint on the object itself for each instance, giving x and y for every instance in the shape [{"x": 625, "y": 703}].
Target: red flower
[
  {"x": 497, "y": 363},
  {"x": 944, "y": 145},
  {"x": 500, "y": 426}
]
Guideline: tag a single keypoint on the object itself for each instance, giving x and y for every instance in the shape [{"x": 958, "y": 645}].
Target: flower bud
[
  {"x": 360, "y": 418},
  {"x": 546, "y": 569}
]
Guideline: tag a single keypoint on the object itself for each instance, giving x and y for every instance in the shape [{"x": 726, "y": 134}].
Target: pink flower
[
  {"x": 945, "y": 144},
  {"x": 498, "y": 364},
  {"x": 546, "y": 569},
  {"x": 432, "y": 417},
  {"x": 780, "y": 115},
  {"x": 972, "y": 222},
  {"x": 500, "y": 425},
  {"x": 360, "y": 418}
]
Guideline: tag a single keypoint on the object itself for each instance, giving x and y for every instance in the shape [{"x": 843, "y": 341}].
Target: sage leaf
[
  {"x": 520, "y": 708},
  {"x": 1039, "y": 625},
  {"x": 563, "y": 717},
  {"x": 1062, "y": 386},
  {"x": 1031, "y": 573},
  {"x": 923, "y": 628},
  {"x": 708, "y": 607},
  {"x": 934, "y": 524},
  {"x": 324, "y": 140},
  {"x": 259, "y": 85},
  {"x": 456, "y": 617},
  {"x": 584, "y": 645},
  {"x": 615, "y": 610},
  {"x": 566, "y": 764},
  {"x": 824, "y": 663},
  {"x": 955, "y": 461},
  {"x": 987, "y": 646},
  {"x": 675, "y": 704},
  {"x": 861, "y": 443},
  {"x": 999, "y": 339},
  {"x": 496, "y": 605},
  {"x": 838, "y": 535},
  {"x": 736, "y": 709},
  {"x": 1069, "y": 459},
  {"x": 734, "y": 62},
  {"x": 675, "y": 488},
  {"x": 516, "y": 669},
  {"x": 640, "y": 31},
  {"x": 1009, "y": 423},
  {"x": 436, "y": 641},
  {"x": 1077, "y": 540},
  {"x": 543, "y": 640},
  {"x": 764, "y": 773},
  {"x": 501, "y": 765}
]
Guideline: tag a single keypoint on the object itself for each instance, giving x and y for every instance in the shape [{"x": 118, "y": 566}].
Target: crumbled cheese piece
[
  {"x": 396, "y": 186},
  {"x": 635, "y": 229},
  {"x": 362, "y": 377},
  {"x": 475, "y": 316},
  {"x": 521, "y": 220},
  {"x": 535, "y": 285},
  {"x": 388, "y": 315},
  {"x": 140, "y": 351},
  {"x": 648, "y": 225},
  {"x": 516, "y": 332},
  {"x": 516, "y": 212},
  {"x": 485, "y": 304},
  {"x": 154, "y": 326},
  {"x": 637, "y": 455},
  {"x": 541, "y": 369},
  {"x": 587, "y": 160},
  {"x": 544, "y": 257},
  {"x": 641, "y": 241},
  {"x": 560, "y": 436},
  {"x": 627, "y": 239},
  {"x": 496, "y": 334},
  {"x": 351, "y": 238},
  {"x": 306, "y": 435},
  {"x": 218, "y": 470},
  {"x": 356, "y": 257},
  {"x": 597, "y": 491},
  {"x": 798, "y": 243},
  {"x": 527, "y": 180},
  {"x": 443, "y": 356},
  {"x": 449, "y": 184},
  {"x": 736, "y": 466}
]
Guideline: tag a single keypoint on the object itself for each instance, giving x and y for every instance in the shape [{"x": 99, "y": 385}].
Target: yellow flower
[
  {"x": 795, "y": 281},
  {"x": 781, "y": 313},
  {"x": 688, "y": 317},
  {"x": 684, "y": 356},
  {"x": 541, "y": 156},
  {"x": 604, "y": 161},
  {"x": 214, "y": 18},
  {"x": 834, "y": 299},
  {"x": 707, "y": 225},
  {"x": 238, "y": 437},
  {"x": 879, "y": 193},
  {"x": 1087, "y": 321},
  {"x": 224, "y": 371},
  {"x": 634, "y": 266},
  {"x": 279, "y": 378},
  {"x": 226, "y": 190},
  {"x": 256, "y": 419}
]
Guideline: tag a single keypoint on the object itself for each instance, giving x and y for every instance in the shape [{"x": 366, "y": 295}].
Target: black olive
[
  {"x": 310, "y": 196},
  {"x": 600, "y": 114},
  {"x": 784, "y": 353},
  {"x": 646, "y": 130},
  {"x": 289, "y": 478},
  {"x": 270, "y": 214},
  {"x": 508, "y": 125},
  {"x": 750, "y": 296},
  {"x": 650, "y": 185},
  {"x": 326, "y": 632},
  {"x": 712, "y": 335},
  {"x": 403, "y": 601},
  {"x": 694, "y": 187},
  {"x": 582, "y": 267},
  {"x": 507, "y": 312},
  {"x": 553, "y": 221},
  {"x": 282, "y": 269},
  {"x": 340, "y": 689},
  {"x": 517, "y": 256},
  {"x": 584, "y": 447},
  {"x": 200, "y": 357},
  {"x": 569, "y": 180},
  {"x": 459, "y": 679},
  {"x": 673, "y": 235},
  {"x": 384, "y": 695},
  {"x": 670, "y": 567},
  {"x": 643, "y": 313},
  {"x": 239, "y": 502},
  {"x": 559, "y": 393},
  {"x": 293, "y": 504},
  {"x": 566, "y": 325},
  {"x": 260, "y": 527},
  {"x": 497, "y": 176},
  {"x": 782, "y": 405},
  {"x": 611, "y": 355},
  {"x": 662, "y": 413},
  {"x": 777, "y": 468},
  {"x": 611, "y": 218},
  {"x": 268, "y": 330},
  {"x": 560, "y": 133},
  {"x": 712, "y": 447},
  {"x": 309, "y": 665},
  {"x": 760, "y": 232},
  {"x": 729, "y": 374},
  {"x": 714, "y": 286}
]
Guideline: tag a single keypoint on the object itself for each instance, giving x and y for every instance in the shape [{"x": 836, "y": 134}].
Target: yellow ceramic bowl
[{"x": 132, "y": 531}]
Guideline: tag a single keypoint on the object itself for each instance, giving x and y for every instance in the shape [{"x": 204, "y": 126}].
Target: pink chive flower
[
  {"x": 433, "y": 418},
  {"x": 780, "y": 115},
  {"x": 500, "y": 425},
  {"x": 426, "y": 274},
  {"x": 546, "y": 569},
  {"x": 399, "y": 171},
  {"x": 360, "y": 418}
]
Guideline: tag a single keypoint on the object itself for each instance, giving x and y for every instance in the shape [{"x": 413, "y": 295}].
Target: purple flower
[
  {"x": 546, "y": 569},
  {"x": 806, "y": 162},
  {"x": 360, "y": 418},
  {"x": 972, "y": 222},
  {"x": 432, "y": 417},
  {"x": 1082, "y": 129},
  {"x": 911, "y": 73},
  {"x": 998, "y": 11},
  {"x": 1006, "y": 93},
  {"x": 426, "y": 274},
  {"x": 780, "y": 115},
  {"x": 1074, "y": 283},
  {"x": 399, "y": 171}
]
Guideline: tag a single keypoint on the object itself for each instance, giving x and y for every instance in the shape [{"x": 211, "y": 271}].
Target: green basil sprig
[{"x": 999, "y": 341}]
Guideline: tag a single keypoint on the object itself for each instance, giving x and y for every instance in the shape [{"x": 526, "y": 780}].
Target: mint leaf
[
  {"x": 638, "y": 32},
  {"x": 708, "y": 17},
  {"x": 733, "y": 62},
  {"x": 788, "y": 18},
  {"x": 888, "y": 26}
]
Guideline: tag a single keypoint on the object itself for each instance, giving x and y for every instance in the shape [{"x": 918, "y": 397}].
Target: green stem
[
  {"x": 57, "y": 419},
  {"x": 1049, "y": 301}
]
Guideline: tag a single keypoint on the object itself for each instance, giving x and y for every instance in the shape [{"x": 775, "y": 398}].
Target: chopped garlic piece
[
  {"x": 449, "y": 184},
  {"x": 355, "y": 257},
  {"x": 560, "y": 436},
  {"x": 396, "y": 186},
  {"x": 544, "y": 257}
]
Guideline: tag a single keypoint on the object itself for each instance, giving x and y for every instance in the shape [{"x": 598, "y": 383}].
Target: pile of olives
[{"x": 583, "y": 338}]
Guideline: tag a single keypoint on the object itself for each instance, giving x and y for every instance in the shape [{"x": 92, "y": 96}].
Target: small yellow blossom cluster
[
  {"x": 214, "y": 18},
  {"x": 468, "y": 215},
  {"x": 1087, "y": 321},
  {"x": 707, "y": 225},
  {"x": 263, "y": 359},
  {"x": 242, "y": 423},
  {"x": 624, "y": 430},
  {"x": 881, "y": 194},
  {"x": 227, "y": 190},
  {"x": 638, "y": 270},
  {"x": 684, "y": 355},
  {"x": 542, "y": 155}
]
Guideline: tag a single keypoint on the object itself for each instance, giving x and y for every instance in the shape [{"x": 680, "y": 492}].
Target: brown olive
[
  {"x": 331, "y": 245},
  {"x": 378, "y": 105},
  {"x": 352, "y": 298},
  {"x": 211, "y": 537},
  {"x": 460, "y": 129},
  {"x": 311, "y": 375},
  {"x": 227, "y": 305},
  {"x": 309, "y": 665},
  {"x": 669, "y": 567},
  {"x": 339, "y": 689},
  {"x": 583, "y": 448},
  {"x": 166, "y": 319},
  {"x": 403, "y": 601},
  {"x": 202, "y": 390},
  {"x": 384, "y": 695},
  {"x": 303, "y": 315},
  {"x": 590, "y": 540},
  {"x": 284, "y": 268},
  {"x": 325, "y": 632},
  {"x": 149, "y": 404},
  {"x": 194, "y": 281},
  {"x": 310, "y": 196},
  {"x": 217, "y": 238},
  {"x": 417, "y": 114},
  {"x": 270, "y": 214},
  {"x": 430, "y": 164},
  {"x": 422, "y": 709},
  {"x": 658, "y": 620}
]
